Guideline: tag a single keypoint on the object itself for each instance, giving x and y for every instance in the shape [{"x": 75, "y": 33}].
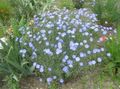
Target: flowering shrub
[{"x": 61, "y": 43}]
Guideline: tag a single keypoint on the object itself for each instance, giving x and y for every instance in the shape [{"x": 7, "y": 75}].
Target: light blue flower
[
  {"x": 87, "y": 46},
  {"x": 49, "y": 80},
  {"x": 61, "y": 81},
  {"x": 93, "y": 62},
  {"x": 65, "y": 69},
  {"x": 41, "y": 69},
  {"x": 59, "y": 45},
  {"x": 69, "y": 62},
  {"x": 73, "y": 46},
  {"x": 43, "y": 31},
  {"x": 58, "y": 51},
  {"x": 104, "y": 32},
  {"x": 48, "y": 51},
  {"x": 38, "y": 66},
  {"x": 73, "y": 56},
  {"x": 81, "y": 63},
  {"x": 34, "y": 55},
  {"x": 82, "y": 54},
  {"x": 49, "y": 69}
]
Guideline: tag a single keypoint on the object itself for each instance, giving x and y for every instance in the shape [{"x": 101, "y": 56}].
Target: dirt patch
[
  {"x": 32, "y": 83},
  {"x": 91, "y": 80}
]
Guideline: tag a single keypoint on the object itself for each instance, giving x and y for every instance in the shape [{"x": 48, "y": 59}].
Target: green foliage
[
  {"x": 54, "y": 85},
  {"x": 10, "y": 60},
  {"x": 113, "y": 46},
  {"x": 5, "y": 11},
  {"x": 107, "y": 10},
  {"x": 12, "y": 65},
  {"x": 12, "y": 82},
  {"x": 21, "y": 8},
  {"x": 78, "y": 3},
  {"x": 28, "y": 8},
  {"x": 65, "y": 3}
]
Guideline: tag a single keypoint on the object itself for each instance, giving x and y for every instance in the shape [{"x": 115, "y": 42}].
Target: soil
[{"x": 89, "y": 80}]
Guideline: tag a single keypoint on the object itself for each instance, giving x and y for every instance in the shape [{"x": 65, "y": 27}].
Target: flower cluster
[{"x": 60, "y": 41}]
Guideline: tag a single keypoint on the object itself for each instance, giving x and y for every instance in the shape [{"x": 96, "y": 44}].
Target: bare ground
[{"x": 89, "y": 80}]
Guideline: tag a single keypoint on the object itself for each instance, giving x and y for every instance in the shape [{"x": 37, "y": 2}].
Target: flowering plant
[{"x": 61, "y": 43}]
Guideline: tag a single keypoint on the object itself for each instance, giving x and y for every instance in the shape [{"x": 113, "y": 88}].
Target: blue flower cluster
[{"x": 62, "y": 41}]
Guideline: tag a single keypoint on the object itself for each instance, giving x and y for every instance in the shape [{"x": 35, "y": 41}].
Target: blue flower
[
  {"x": 49, "y": 80},
  {"x": 65, "y": 69},
  {"x": 41, "y": 69},
  {"x": 81, "y": 63},
  {"x": 48, "y": 51},
  {"x": 49, "y": 69},
  {"x": 58, "y": 51},
  {"x": 73, "y": 46},
  {"x": 61, "y": 81},
  {"x": 34, "y": 55}
]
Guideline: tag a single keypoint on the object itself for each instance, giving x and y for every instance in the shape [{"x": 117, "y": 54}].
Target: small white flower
[
  {"x": 77, "y": 59},
  {"x": 85, "y": 41},
  {"x": 102, "y": 49},
  {"x": 108, "y": 54},
  {"x": 88, "y": 52},
  {"x": 57, "y": 38},
  {"x": 99, "y": 59},
  {"x": 86, "y": 33},
  {"x": 93, "y": 62},
  {"x": 40, "y": 79},
  {"x": 34, "y": 64},
  {"x": 91, "y": 39},
  {"x": 96, "y": 29},
  {"x": 81, "y": 44},
  {"x": 71, "y": 66},
  {"x": 54, "y": 77}
]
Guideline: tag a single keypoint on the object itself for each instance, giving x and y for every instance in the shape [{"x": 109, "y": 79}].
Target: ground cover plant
[{"x": 60, "y": 43}]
